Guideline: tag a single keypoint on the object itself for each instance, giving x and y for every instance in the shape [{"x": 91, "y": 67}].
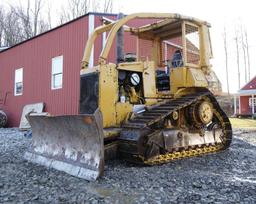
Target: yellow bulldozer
[{"x": 150, "y": 107}]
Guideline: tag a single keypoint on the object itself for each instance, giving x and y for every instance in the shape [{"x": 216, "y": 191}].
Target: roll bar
[{"x": 115, "y": 26}]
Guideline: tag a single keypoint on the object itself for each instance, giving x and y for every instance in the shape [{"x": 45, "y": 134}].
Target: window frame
[
  {"x": 17, "y": 82},
  {"x": 252, "y": 102},
  {"x": 54, "y": 74}
]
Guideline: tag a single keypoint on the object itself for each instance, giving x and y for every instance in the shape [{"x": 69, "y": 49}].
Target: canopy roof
[{"x": 164, "y": 29}]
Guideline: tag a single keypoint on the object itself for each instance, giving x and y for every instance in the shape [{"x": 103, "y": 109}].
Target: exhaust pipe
[{"x": 120, "y": 41}]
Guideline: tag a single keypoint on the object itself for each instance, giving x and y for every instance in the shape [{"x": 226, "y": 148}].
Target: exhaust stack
[{"x": 120, "y": 41}]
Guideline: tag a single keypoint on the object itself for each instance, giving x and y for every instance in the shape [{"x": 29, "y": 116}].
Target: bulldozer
[{"x": 150, "y": 107}]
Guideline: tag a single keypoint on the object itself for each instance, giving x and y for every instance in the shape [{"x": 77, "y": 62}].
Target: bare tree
[
  {"x": 1, "y": 26},
  {"x": 108, "y": 6},
  {"x": 75, "y": 9},
  {"x": 226, "y": 56},
  {"x": 95, "y": 6},
  {"x": 30, "y": 18},
  {"x": 238, "y": 58},
  {"x": 248, "y": 56},
  {"x": 12, "y": 29},
  {"x": 105, "y": 6},
  {"x": 244, "y": 55},
  {"x": 22, "y": 22},
  {"x": 35, "y": 13},
  {"x": 23, "y": 16},
  {"x": 49, "y": 14}
]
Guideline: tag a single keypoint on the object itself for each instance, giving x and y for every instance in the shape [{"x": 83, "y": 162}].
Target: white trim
[
  {"x": 108, "y": 20},
  {"x": 239, "y": 105},
  {"x": 165, "y": 56},
  {"x": 91, "y": 22},
  {"x": 180, "y": 47},
  {"x": 15, "y": 81},
  {"x": 246, "y": 92},
  {"x": 172, "y": 44},
  {"x": 52, "y": 82},
  {"x": 104, "y": 39},
  {"x": 235, "y": 105},
  {"x": 253, "y": 104}
]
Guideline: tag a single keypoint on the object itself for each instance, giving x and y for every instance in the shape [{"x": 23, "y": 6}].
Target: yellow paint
[
  {"x": 108, "y": 94},
  {"x": 122, "y": 112},
  {"x": 131, "y": 66},
  {"x": 184, "y": 77},
  {"x": 182, "y": 80},
  {"x": 149, "y": 80}
]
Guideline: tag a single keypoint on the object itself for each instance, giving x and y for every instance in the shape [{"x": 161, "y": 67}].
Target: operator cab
[{"x": 171, "y": 44}]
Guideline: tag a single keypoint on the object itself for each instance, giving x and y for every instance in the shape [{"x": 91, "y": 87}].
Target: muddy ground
[{"x": 226, "y": 177}]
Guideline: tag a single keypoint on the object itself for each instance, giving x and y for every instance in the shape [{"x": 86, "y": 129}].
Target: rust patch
[{"x": 88, "y": 120}]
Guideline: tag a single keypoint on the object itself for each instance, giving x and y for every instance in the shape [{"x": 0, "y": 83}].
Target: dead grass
[{"x": 243, "y": 123}]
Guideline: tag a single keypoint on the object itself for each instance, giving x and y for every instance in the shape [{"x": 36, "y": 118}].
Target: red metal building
[
  {"x": 46, "y": 68},
  {"x": 246, "y": 105}
]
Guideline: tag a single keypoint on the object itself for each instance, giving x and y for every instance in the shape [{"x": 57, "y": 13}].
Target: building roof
[
  {"x": 57, "y": 27},
  {"x": 250, "y": 85},
  {"x": 246, "y": 92},
  {"x": 248, "y": 89}
]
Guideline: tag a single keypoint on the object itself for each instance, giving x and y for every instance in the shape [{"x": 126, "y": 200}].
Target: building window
[
  {"x": 57, "y": 72},
  {"x": 252, "y": 102},
  {"x": 18, "y": 86}
]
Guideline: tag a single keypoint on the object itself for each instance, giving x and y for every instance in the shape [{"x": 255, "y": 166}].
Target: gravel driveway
[{"x": 226, "y": 177}]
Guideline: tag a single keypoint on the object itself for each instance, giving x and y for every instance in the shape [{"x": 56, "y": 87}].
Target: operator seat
[{"x": 177, "y": 59}]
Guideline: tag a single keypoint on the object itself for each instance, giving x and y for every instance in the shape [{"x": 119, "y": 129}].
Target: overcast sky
[{"x": 220, "y": 13}]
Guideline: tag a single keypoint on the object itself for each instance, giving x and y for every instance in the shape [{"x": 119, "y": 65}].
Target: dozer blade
[{"x": 73, "y": 144}]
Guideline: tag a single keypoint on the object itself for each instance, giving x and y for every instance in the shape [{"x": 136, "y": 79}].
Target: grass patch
[{"x": 243, "y": 123}]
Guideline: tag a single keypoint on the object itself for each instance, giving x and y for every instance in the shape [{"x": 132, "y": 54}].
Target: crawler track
[{"x": 135, "y": 138}]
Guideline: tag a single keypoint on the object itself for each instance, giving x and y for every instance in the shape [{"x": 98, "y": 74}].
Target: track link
[
  {"x": 142, "y": 124},
  {"x": 160, "y": 112}
]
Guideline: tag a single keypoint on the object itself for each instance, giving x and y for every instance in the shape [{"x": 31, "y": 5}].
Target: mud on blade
[{"x": 73, "y": 144}]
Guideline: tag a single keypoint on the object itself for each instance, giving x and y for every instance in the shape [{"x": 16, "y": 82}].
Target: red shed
[
  {"x": 246, "y": 99},
  {"x": 46, "y": 68}
]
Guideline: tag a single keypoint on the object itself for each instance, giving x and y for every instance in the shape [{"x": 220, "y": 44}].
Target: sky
[{"x": 232, "y": 14}]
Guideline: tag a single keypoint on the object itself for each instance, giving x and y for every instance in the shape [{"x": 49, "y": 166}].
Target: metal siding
[{"x": 35, "y": 57}]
